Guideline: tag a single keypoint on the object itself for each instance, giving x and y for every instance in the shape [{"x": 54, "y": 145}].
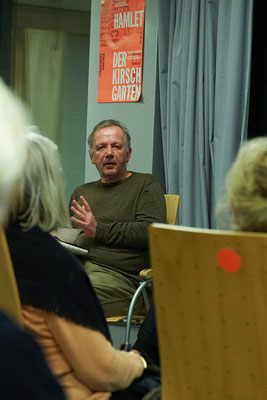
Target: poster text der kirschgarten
[{"x": 120, "y": 50}]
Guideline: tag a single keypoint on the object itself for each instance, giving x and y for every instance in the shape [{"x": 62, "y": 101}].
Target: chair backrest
[
  {"x": 172, "y": 202},
  {"x": 9, "y": 295},
  {"x": 210, "y": 290}
]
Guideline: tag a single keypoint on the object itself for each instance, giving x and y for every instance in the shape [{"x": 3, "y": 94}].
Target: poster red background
[{"x": 120, "y": 50}]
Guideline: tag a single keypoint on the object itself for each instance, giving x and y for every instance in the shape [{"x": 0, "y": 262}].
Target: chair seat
[
  {"x": 146, "y": 273},
  {"x": 136, "y": 319},
  {"x": 116, "y": 319}
]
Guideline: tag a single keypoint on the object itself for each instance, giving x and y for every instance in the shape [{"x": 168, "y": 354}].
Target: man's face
[{"x": 109, "y": 154}]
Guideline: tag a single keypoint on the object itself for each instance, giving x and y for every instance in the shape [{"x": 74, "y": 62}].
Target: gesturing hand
[{"x": 86, "y": 218}]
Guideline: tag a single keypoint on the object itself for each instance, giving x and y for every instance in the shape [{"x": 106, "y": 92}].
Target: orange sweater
[{"x": 83, "y": 360}]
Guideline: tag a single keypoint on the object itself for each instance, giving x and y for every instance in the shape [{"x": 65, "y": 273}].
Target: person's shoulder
[
  {"x": 148, "y": 183},
  {"x": 84, "y": 188},
  {"x": 54, "y": 247},
  {"x": 36, "y": 244},
  {"x": 54, "y": 254},
  {"x": 145, "y": 177}
]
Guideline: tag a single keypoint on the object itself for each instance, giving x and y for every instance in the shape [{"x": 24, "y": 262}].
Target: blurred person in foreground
[
  {"x": 21, "y": 358},
  {"x": 12, "y": 149},
  {"x": 59, "y": 305},
  {"x": 244, "y": 207}
]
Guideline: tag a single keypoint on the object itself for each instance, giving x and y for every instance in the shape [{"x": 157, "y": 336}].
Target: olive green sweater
[{"x": 123, "y": 211}]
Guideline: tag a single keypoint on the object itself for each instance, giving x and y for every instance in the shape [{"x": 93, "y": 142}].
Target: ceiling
[{"x": 82, "y": 5}]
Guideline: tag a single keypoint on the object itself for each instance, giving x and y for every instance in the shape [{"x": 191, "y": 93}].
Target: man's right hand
[{"x": 86, "y": 219}]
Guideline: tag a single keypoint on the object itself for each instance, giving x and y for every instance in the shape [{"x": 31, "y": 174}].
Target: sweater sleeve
[
  {"x": 94, "y": 360},
  {"x": 150, "y": 209}
]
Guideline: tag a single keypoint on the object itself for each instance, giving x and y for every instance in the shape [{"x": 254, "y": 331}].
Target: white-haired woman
[
  {"x": 59, "y": 305},
  {"x": 21, "y": 358},
  {"x": 246, "y": 188}
]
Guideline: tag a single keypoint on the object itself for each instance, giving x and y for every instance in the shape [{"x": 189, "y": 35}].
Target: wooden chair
[
  {"x": 210, "y": 292},
  {"x": 172, "y": 203},
  {"x": 9, "y": 296}
]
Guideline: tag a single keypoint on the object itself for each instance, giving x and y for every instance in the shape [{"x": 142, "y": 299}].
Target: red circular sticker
[{"x": 228, "y": 260}]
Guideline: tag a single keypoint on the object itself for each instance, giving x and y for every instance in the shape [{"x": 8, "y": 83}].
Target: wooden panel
[
  {"x": 212, "y": 323},
  {"x": 9, "y": 297}
]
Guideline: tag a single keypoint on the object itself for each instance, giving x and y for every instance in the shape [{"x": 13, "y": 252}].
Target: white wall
[
  {"x": 74, "y": 111},
  {"x": 139, "y": 116}
]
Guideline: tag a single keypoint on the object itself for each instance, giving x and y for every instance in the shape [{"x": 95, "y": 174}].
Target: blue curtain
[{"x": 204, "y": 58}]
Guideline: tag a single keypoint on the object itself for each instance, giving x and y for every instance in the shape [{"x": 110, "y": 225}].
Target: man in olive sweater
[{"x": 114, "y": 214}]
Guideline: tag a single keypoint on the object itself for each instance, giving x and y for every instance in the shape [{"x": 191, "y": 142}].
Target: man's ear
[
  {"x": 129, "y": 154},
  {"x": 92, "y": 158}
]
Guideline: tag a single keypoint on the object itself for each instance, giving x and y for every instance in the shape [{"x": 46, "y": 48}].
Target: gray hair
[
  {"x": 106, "y": 123},
  {"x": 246, "y": 187},
  {"x": 13, "y": 122},
  {"x": 40, "y": 200}
]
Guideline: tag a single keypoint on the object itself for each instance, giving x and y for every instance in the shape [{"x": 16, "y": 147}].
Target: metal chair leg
[
  {"x": 145, "y": 295},
  {"x": 141, "y": 289}
]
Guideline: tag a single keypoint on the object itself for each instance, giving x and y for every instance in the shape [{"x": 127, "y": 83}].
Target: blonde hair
[
  {"x": 40, "y": 200},
  {"x": 13, "y": 122},
  {"x": 246, "y": 187}
]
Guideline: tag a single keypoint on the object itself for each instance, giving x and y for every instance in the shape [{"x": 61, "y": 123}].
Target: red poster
[{"x": 120, "y": 50}]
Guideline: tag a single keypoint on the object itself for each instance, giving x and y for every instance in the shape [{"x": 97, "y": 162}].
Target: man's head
[
  {"x": 110, "y": 150},
  {"x": 106, "y": 123}
]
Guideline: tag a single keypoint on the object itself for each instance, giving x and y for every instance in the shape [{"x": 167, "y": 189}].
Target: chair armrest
[{"x": 146, "y": 273}]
